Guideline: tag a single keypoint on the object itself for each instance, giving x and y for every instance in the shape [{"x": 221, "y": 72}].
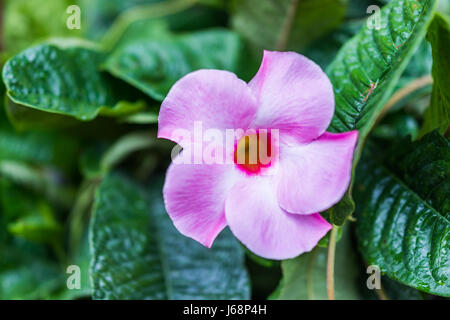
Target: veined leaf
[
  {"x": 305, "y": 277},
  {"x": 438, "y": 113},
  {"x": 403, "y": 212},
  {"x": 138, "y": 253},
  {"x": 155, "y": 64},
  {"x": 62, "y": 77},
  {"x": 366, "y": 71}
]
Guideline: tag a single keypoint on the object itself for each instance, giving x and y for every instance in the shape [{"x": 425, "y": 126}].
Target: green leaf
[
  {"x": 155, "y": 64},
  {"x": 403, "y": 212},
  {"x": 62, "y": 78},
  {"x": 152, "y": 260},
  {"x": 305, "y": 277},
  {"x": 100, "y": 14},
  {"x": 262, "y": 22},
  {"x": 103, "y": 17},
  {"x": 366, "y": 71},
  {"x": 438, "y": 113}
]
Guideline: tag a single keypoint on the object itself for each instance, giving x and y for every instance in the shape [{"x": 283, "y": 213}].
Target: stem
[
  {"x": 330, "y": 263},
  {"x": 405, "y": 91},
  {"x": 381, "y": 294},
  {"x": 283, "y": 38}
]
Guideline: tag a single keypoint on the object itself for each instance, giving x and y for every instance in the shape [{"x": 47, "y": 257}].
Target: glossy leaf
[
  {"x": 438, "y": 113},
  {"x": 63, "y": 78},
  {"x": 155, "y": 64},
  {"x": 366, "y": 71},
  {"x": 138, "y": 254},
  {"x": 403, "y": 212}
]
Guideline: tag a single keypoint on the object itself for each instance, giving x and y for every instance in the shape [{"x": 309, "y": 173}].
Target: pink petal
[
  {"x": 256, "y": 219},
  {"x": 294, "y": 96},
  {"x": 194, "y": 196},
  {"x": 315, "y": 176},
  {"x": 216, "y": 98}
]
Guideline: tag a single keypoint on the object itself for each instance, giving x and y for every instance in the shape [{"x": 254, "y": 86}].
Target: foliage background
[{"x": 81, "y": 170}]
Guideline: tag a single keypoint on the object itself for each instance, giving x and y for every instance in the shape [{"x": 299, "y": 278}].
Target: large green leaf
[
  {"x": 262, "y": 22},
  {"x": 100, "y": 14},
  {"x": 138, "y": 254},
  {"x": 366, "y": 71},
  {"x": 438, "y": 113},
  {"x": 155, "y": 64},
  {"x": 305, "y": 277},
  {"x": 62, "y": 77},
  {"x": 403, "y": 212}
]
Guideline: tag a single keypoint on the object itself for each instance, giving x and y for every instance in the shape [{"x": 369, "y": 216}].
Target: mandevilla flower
[{"x": 272, "y": 212}]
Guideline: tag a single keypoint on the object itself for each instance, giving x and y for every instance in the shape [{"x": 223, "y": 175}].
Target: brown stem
[
  {"x": 405, "y": 91},
  {"x": 330, "y": 263},
  {"x": 283, "y": 38}
]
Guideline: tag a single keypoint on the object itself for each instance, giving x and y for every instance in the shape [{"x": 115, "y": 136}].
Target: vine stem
[
  {"x": 405, "y": 91},
  {"x": 283, "y": 38},
  {"x": 330, "y": 263}
]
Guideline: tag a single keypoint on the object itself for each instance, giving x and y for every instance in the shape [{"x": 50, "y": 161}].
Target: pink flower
[{"x": 275, "y": 215}]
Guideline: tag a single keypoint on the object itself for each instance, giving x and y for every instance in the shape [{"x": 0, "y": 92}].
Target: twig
[
  {"x": 405, "y": 91},
  {"x": 283, "y": 38},
  {"x": 330, "y": 263}
]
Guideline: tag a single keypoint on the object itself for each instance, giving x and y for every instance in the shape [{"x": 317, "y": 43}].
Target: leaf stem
[
  {"x": 405, "y": 91},
  {"x": 283, "y": 38},
  {"x": 330, "y": 263}
]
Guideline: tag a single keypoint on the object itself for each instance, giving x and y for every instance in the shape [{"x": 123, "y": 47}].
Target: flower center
[{"x": 254, "y": 152}]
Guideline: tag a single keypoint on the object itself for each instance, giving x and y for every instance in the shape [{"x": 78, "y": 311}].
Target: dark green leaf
[
  {"x": 438, "y": 113},
  {"x": 262, "y": 22},
  {"x": 403, "y": 212},
  {"x": 155, "y": 64},
  {"x": 100, "y": 14},
  {"x": 62, "y": 78},
  {"x": 366, "y": 71},
  {"x": 138, "y": 254}
]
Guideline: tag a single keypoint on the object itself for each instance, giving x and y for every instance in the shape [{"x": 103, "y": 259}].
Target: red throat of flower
[{"x": 254, "y": 152}]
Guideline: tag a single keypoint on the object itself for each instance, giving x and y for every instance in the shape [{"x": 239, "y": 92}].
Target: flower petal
[
  {"x": 194, "y": 196},
  {"x": 294, "y": 96},
  {"x": 256, "y": 219},
  {"x": 313, "y": 177},
  {"x": 217, "y": 98}
]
